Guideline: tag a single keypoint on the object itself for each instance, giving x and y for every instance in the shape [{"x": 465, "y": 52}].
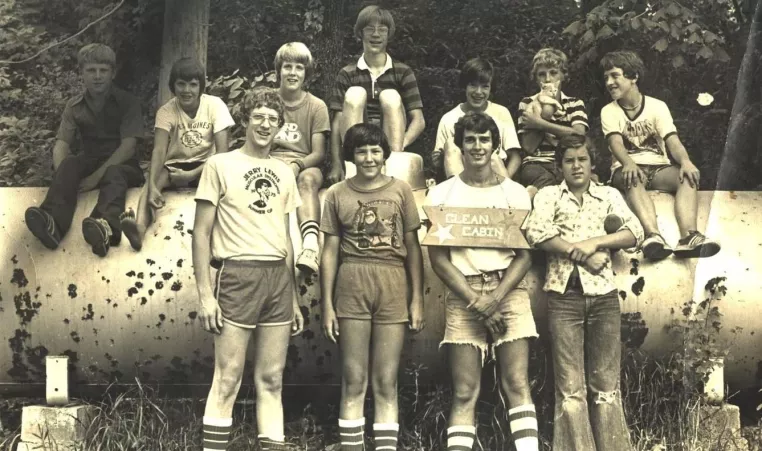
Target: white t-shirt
[
  {"x": 455, "y": 193},
  {"x": 192, "y": 138},
  {"x": 644, "y": 135},
  {"x": 252, "y": 196},
  {"x": 501, "y": 116}
]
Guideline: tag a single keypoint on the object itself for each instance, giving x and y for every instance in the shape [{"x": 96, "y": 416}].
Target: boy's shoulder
[{"x": 654, "y": 102}]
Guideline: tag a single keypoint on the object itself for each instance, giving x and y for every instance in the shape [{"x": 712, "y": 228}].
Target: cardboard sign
[{"x": 475, "y": 227}]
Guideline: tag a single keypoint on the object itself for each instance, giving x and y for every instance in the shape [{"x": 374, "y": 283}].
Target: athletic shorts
[
  {"x": 464, "y": 327},
  {"x": 375, "y": 291},
  {"x": 255, "y": 293},
  {"x": 649, "y": 169}
]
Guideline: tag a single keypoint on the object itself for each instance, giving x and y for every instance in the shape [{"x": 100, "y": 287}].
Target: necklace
[{"x": 635, "y": 107}]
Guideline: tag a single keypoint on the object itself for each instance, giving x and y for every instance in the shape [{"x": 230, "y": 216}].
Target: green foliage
[{"x": 23, "y": 159}]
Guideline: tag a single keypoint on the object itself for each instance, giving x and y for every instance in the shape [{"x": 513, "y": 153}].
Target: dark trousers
[{"x": 61, "y": 199}]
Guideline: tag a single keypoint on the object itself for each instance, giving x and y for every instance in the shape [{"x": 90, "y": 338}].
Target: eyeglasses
[
  {"x": 259, "y": 118},
  {"x": 383, "y": 31}
]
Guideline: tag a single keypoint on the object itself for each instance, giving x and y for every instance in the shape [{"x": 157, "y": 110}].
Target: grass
[{"x": 657, "y": 409}]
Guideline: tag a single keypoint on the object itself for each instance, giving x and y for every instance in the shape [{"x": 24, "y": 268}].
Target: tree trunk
[
  {"x": 737, "y": 169},
  {"x": 186, "y": 32}
]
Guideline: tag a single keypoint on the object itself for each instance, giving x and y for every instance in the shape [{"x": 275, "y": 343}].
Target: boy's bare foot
[{"x": 131, "y": 229}]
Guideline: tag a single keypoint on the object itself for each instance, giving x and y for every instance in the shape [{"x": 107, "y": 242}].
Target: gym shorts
[
  {"x": 649, "y": 169},
  {"x": 372, "y": 290},
  {"x": 255, "y": 293}
]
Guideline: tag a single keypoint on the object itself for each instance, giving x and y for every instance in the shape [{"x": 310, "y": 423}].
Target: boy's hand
[
  {"x": 155, "y": 199},
  {"x": 580, "y": 252},
  {"x": 532, "y": 115},
  {"x": 596, "y": 262},
  {"x": 632, "y": 174},
  {"x": 336, "y": 174},
  {"x": 496, "y": 324},
  {"x": 417, "y": 322},
  {"x": 181, "y": 178},
  {"x": 297, "y": 325},
  {"x": 89, "y": 183},
  {"x": 689, "y": 172},
  {"x": 484, "y": 304},
  {"x": 211, "y": 315},
  {"x": 330, "y": 324}
]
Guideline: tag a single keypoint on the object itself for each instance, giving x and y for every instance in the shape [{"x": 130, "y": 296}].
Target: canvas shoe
[
  {"x": 43, "y": 227},
  {"x": 307, "y": 260},
  {"x": 97, "y": 233},
  {"x": 696, "y": 245},
  {"x": 655, "y": 248}
]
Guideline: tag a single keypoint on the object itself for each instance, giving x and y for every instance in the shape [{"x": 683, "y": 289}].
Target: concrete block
[
  {"x": 55, "y": 425},
  {"x": 719, "y": 428}
]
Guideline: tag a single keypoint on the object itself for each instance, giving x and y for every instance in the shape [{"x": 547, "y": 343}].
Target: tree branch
[{"x": 56, "y": 44}]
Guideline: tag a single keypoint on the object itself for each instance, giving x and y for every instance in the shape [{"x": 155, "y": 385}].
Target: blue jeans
[{"x": 586, "y": 344}]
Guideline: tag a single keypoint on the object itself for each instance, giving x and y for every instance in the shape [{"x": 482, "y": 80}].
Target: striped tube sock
[
  {"x": 309, "y": 231},
  {"x": 270, "y": 444},
  {"x": 523, "y": 420},
  {"x": 352, "y": 434},
  {"x": 461, "y": 438},
  {"x": 385, "y": 435},
  {"x": 217, "y": 433}
]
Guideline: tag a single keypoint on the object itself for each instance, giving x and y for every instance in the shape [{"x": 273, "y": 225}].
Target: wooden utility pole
[
  {"x": 186, "y": 32},
  {"x": 737, "y": 169}
]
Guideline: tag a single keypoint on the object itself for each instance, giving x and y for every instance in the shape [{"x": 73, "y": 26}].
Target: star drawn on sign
[{"x": 443, "y": 233}]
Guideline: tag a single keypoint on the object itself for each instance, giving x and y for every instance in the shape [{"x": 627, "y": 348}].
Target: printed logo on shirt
[
  {"x": 376, "y": 224},
  {"x": 191, "y": 139},
  {"x": 265, "y": 185},
  {"x": 289, "y": 133},
  {"x": 641, "y": 137}
]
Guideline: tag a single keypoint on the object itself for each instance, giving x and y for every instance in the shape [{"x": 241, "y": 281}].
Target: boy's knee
[
  {"x": 270, "y": 381},
  {"x": 309, "y": 181},
  {"x": 390, "y": 100},
  {"x": 355, "y": 97},
  {"x": 466, "y": 393},
  {"x": 515, "y": 384}
]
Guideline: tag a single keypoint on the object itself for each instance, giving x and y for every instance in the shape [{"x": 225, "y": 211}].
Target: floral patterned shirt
[{"x": 558, "y": 213}]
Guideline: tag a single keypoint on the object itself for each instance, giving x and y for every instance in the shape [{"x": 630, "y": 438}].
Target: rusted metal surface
[{"x": 134, "y": 314}]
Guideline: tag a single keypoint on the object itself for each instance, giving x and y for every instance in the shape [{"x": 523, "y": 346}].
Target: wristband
[{"x": 299, "y": 163}]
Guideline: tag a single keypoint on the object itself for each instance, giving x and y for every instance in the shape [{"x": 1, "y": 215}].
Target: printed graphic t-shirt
[
  {"x": 644, "y": 135},
  {"x": 371, "y": 223},
  {"x": 302, "y": 121},
  {"x": 455, "y": 193},
  {"x": 252, "y": 196},
  {"x": 501, "y": 116},
  {"x": 192, "y": 139}
]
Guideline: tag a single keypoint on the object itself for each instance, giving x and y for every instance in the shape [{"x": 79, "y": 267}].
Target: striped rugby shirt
[
  {"x": 574, "y": 112},
  {"x": 396, "y": 75}
]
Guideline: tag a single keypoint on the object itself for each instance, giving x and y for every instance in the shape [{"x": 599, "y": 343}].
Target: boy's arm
[
  {"x": 210, "y": 316},
  {"x": 221, "y": 141},
  {"x": 688, "y": 171},
  {"x": 124, "y": 152},
  {"x": 329, "y": 265},
  {"x": 514, "y": 274},
  {"x": 317, "y": 151},
  {"x": 414, "y": 128},
  {"x": 513, "y": 163},
  {"x": 631, "y": 173},
  {"x": 533, "y": 120},
  {"x": 414, "y": 264},
  {"x": 65, "y": 135}
]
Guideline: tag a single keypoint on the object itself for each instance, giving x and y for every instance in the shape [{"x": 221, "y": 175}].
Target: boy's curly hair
[
  {"x": 549, "y": 57},
  {"x": 476, "y": 70},
  {"x": 261, "y": 96},
  {"x": 294, "y": 52},
  {"x": 187, "y": 69},
  {"x": 364, "y": 134},
  {"x": 374, "y": 13},
  {"x": 627, "y": 60},
  {"x": 96, "y": 54}
]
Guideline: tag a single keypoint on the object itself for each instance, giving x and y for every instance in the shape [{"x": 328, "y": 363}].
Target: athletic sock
[
  {"x": 217, "y": 433},
  {"x": 523, "y": 420},
  {"x": 352, "y": 434},
  {"x": 385, "y": 435},
  {"x": 309, "y": 231},
  {"x": 269, "y": 444},
  {"x": 461, "y": 438}
]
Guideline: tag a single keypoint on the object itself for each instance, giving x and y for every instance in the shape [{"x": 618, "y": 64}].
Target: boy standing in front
[
  {"x": 639, "y": 131},
  {"x": 109, "y": 123},
  {"x": 546, "y": 118},
  {"x": 584, "y": 320},
  {"x": 487, "y": 306},
  {"x": 376, "y": 89},
  {"x": 243, "y": 204},
  {"x": 301, "y": 142}
]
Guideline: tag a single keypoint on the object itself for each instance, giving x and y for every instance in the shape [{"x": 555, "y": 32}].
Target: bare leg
[
  {"x": 354, "y": 342},
  {"x": 270, "y": 349},
  {"x": 393, "y": 114},
  {"x": 640, "y": 203},
  {"x": 387, "y": 343},
  {"x": 686, "y": 198},
  {"x": 513, "y": 358},
  {"x": 229, "y": 358},
  {"x": 134, "y": 227},
  {"x": 353, "y": 111},
  {"x": 466, "y": 370}
]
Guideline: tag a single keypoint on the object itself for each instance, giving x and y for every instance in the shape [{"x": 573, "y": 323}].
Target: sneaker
[
  {"x": 131, "y": 229},
  {"x": 308, "y": 260},
  {"x": 655, "y": 248},
  {"x": 43, "y": 227},
  {"x": 97, "y": 233},
  {"x": 696, "y": 245},
  {"x": 612, "y": 223}
]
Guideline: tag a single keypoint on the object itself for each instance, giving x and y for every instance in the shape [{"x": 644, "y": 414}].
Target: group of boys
[{"x": 244, "y": 199}]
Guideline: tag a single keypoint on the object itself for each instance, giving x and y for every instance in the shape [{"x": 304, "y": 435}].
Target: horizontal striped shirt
[
  {"x": 396, "y": 75},
  {"x": 574, "y": 112}
]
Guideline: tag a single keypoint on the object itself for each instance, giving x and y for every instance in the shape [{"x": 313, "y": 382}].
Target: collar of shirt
[
  {"x": 593, "y": 190},
  {"x": 362, "y": 65}
]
